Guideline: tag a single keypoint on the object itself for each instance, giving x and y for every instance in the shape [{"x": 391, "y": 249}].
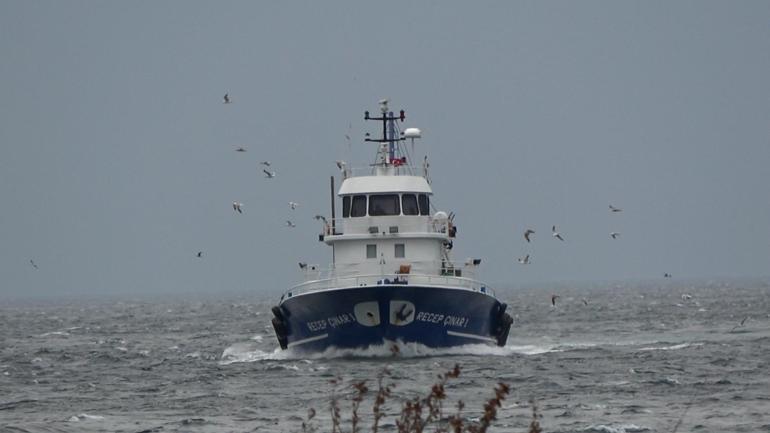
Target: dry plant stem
[
  {"x": 360, "y": 390},
  {"x": 534, "y": 426},
  {"x": 412, "y": 413},
  {"x": 335, "y": 407},
  {"x": 307, "y": 427},
  {"x": 456, "y": 420},
  {"x": 490, "y": 408},
  {"x": 383, "y": 392}
]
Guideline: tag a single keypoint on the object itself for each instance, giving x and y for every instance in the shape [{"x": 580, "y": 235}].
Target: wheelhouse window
[
  {"x": 424, "y": 204},
  {"x": 400, "y": 252},
  {"x": 358, "y": 208},
  {"x": 371, "y": 251},
  {"x": 345, "y": 206},
  {"x": 409, "y": 204},
  {"x": 384, "y": 205}
]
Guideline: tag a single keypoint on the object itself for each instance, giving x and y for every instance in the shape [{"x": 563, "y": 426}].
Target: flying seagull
[
  {"x": 265, "y": 163},
  {"x": 524, "y": 261},
  {"x": 556, "y": 234},
  {"x": 34, "y": 265},
  {"x": 743, "y": 322},
  {"x": 237, "y": 206},
  {"x": 290, "y": 224},
  {"x": 320, "y": 218},
  {"x": 226, "y": 98},
  {"x": 302, "y": 265},
  {"x": 585, "y": 301},
  {"x": 614, "y": 235},
  {"x": 527, "y": 233},
  {"x": 615, "y": 209},
  {"x": 269, "y": 174},
  {"x": 666, "y": 275},
  {"x": 293, "y": 205},
  {"x": 199, "y": 255},
  {"x": 340, "y": 165},
  {"x": 240, "y": 149},
  {"x": 553, "y": 300}
]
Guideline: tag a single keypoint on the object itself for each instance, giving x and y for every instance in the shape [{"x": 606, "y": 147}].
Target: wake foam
[{"x": 248, "y": 352}]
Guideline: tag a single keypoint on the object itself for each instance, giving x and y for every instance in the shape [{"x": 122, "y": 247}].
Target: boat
[{"x": 392, "y": 279}]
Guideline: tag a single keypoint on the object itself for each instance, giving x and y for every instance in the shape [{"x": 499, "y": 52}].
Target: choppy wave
[
  {"x": 616, "y": 428},
  {"x": 181, "y": 367}
]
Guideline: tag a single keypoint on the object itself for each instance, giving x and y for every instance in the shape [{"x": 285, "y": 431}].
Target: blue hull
[{"x": 359, "y": 317}]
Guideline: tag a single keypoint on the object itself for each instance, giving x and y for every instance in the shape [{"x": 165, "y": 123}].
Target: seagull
[
  {"x": 527, "y": 233},
  {"x": 585, "y": 301},
  {"x": 686, "y": 296},
  {"x": 556, "y": 234},
  {"x": 614, "y": 235},
  {"x": 341, "y": 165},
  {"x": 302, "y": 265},
  {"x": 237, "y": 206},
  {"x": 293, "y": 205},
  {"x": 265, "y": 163},
  {"x": 34, "y": 265},
  {"x": 666, "y": 275},
  {"x": 615, "y": 209},
  {"x": 226, "y": 99},
  {"x": 269, "y": 174},
  {"x": 199, "y": 255},
  {"x": 553, "y": 300},
  {"x": 743, "y": 322},
  {"x": 240, "y": 149},
  {"x": 320, "y": 218},
  {"x": 525, "y": 260},
  {"x": 290, "y": 224}
]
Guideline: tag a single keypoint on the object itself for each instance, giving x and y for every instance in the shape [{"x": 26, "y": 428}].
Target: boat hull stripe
[
  {"x": 474, "y": 336},
  {"x": 307, "y": 340}
]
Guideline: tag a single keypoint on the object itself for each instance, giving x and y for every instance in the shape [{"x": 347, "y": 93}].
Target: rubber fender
[
  {"x": 278, "y": 313},
  {"x": 502, "y": 308},
  {"x": 505, "y": 328},
  {"x": 283, "y": 342},
  {"x": 279, "y": 327}
]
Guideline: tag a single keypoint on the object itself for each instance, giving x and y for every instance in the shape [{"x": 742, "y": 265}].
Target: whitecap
[
  {"x": 531, "y": 349},
  {"x": 674, "y": 347},
  {"x": 616, "y": 428},
  {"x": 85, "y": 417},
  {"x": 55, "y": 334}
]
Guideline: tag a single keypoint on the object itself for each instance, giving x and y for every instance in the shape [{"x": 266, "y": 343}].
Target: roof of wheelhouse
[{"x": 384, "y": 184}]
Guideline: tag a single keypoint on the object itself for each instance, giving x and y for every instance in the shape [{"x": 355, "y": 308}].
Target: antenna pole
[{"x": 334, "y": 232}]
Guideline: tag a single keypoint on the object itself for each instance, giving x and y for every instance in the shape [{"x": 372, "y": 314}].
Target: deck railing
[
  {"x": 389, "y": 279},
  {"x": 408, "y": 224}
]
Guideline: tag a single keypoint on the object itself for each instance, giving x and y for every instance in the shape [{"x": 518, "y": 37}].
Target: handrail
[
  {"x": 379, "y": 279},
  {"x": 403, "y": 170},
  {"x": 362, "y": 225},
  {"x": 314, "y": 272}
]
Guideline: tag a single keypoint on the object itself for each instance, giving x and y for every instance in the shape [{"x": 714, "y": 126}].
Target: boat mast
[{"x": 389, "y": 135}]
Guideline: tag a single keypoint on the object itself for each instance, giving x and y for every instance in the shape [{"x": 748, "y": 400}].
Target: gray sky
[{"x": 117, "y": 159}]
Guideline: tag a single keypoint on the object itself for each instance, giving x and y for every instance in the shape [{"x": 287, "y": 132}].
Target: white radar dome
[
  {"x": 412, "y": 133},
  {"x": 440, "y": 215}
]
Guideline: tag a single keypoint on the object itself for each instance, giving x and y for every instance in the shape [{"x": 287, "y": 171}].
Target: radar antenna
[{"x": 390, "y": 137}]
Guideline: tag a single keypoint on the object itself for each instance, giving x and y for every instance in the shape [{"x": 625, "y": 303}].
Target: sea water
[{"x": 644, "y": 357}]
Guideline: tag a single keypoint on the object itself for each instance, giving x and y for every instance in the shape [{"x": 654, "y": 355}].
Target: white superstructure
[{"x": 387, "y": 227}]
